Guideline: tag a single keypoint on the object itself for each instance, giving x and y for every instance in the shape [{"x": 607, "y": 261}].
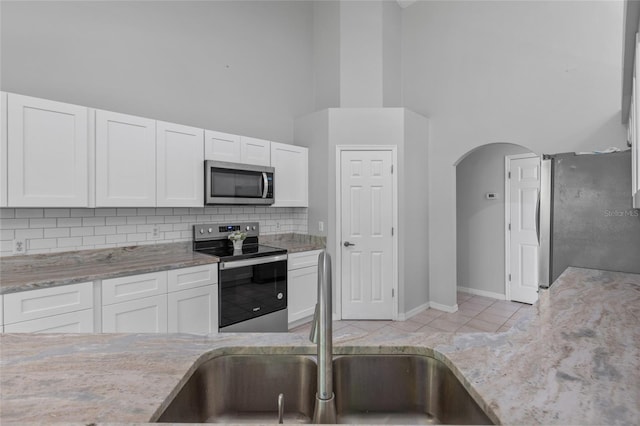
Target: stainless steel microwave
[{"x": 234, "y": 183}]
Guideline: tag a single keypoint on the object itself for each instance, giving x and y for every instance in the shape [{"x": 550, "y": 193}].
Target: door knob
[{"x": 347, "y": 244}]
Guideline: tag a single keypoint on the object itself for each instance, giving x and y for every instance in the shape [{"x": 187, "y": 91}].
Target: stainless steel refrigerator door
[{"x": 544, "y": 224}]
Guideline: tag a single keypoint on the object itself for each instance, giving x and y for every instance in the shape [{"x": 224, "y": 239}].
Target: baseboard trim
[
  {"x": 445, "y": 308},
  {"x": 415, "y": 311},
  {"x": 482, "y": 293}
]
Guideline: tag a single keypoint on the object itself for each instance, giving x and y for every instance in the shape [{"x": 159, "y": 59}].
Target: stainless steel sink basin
[
  {"x": 245, "y": 389},
  {"x": 400, "y": 389}
]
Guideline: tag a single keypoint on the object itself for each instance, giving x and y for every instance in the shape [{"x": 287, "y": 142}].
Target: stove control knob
[
  {"x": 210, "y": 230},
  {"x": 201, "y": 231},
  {"x": 248, "y": 228},
  {"x": 280, "y": 296},
  {"x": 254, "y": 228}
]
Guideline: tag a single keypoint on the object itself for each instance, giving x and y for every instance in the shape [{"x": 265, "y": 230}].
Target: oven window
[
  {"x": 252, "y": 291},
  {"x": 236, "y": 183}
]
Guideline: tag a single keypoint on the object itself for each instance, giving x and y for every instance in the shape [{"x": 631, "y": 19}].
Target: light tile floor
[{"x": 475, "y": 313}]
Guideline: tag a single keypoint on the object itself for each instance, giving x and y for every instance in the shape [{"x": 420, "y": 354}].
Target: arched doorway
[{"x": 481, "y": 239}]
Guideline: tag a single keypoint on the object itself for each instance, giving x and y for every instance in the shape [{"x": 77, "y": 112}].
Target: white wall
[
  {"x": 480, "y": 222},
  {"x": 242, "y": 67},
  {"x": 545, "y": 75}
]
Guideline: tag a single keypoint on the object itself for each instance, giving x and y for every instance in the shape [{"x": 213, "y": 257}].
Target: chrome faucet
[{"x": 321, "y": 333}]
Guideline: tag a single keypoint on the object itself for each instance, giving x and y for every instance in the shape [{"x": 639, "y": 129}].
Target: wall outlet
[
  {"x": 154, "y": 234},
  {"x": 321, "y": 226},
  {"x": 278, "y": 226},
  {"x": 20, "y": 246}
]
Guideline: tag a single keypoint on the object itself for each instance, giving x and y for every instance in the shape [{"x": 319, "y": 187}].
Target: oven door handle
[{"x": 251, "y": 262}]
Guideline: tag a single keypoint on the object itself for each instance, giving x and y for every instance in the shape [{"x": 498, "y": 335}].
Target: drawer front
[
  {"x": 116, "y": 290},
  {"x": 146, "y": 315},
  {"x": 74, "y": 322},
  {"x": 196, "y": 276},
  {"x": 303, "y": 259},
  {"x": 34, "y": 304}
]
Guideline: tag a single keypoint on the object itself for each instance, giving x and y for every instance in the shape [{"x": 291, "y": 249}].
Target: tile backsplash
[{"x": 55, "y": 230}]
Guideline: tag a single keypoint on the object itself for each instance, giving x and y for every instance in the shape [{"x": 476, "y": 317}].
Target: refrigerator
[{"x": 585, "y": 215}]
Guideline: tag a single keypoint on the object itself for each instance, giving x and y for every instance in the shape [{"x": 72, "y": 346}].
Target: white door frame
[
  {"x": 507, "y": 216},
  {"x": 338, "y": 248}
]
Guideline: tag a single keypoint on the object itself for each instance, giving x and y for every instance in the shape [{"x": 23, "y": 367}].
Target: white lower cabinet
[
  {"x": 302, "y": 285},
  {"x": 194, "y": 310},
  {"x": 61, "y": 309},
  {"x": 145, "y": 315}
]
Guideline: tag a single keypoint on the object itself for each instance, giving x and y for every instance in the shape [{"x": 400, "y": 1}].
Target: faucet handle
[{"x": 313, "y": 334}]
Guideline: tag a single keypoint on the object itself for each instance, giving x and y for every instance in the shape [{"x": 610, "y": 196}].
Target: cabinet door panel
[
  {"x": 74, "y": 322},
  {"x": 220, "y": 146},
  {"x": 180, "y": 166},
  {"x": 48, "y": 148},
  {"x": 125, "y": 160},
  {"x": 146, "y": 315},
  {"x": 255, "y": 151},
  {"x": 194, "y": 310},
  {"x": 291, "y": 176},
  {"x": 302, "y": 292}
]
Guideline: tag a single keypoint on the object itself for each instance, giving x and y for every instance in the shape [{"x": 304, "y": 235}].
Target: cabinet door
[
  {"x": 146, "y": 315},
  {"x": 125, "y": 160},
  {"x": 291, "y": 180},
  {"x": 3, "y": 149},
  {"x": 194, "y": 310},
  {"x": 221, "y": 146},
  {"x": 180, "y": 165},
  {"x": 303, "y": 259},
  {"x": 255, "y": 151},
  {"x": 47, "y": 153},
  {"x": 73, "y": 322},
  {"x": 302, "y": 291}
]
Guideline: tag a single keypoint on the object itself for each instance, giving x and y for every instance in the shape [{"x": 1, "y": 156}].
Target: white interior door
[
  {"x": 366, "y": 234},
  {"x": 524, "y": 187}
]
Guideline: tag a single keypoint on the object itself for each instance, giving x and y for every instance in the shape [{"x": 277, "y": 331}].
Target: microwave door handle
[{"x": 265, "y": 185}]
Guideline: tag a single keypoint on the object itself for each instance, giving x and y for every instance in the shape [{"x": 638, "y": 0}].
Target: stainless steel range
[{"x": 252, "y": 281}]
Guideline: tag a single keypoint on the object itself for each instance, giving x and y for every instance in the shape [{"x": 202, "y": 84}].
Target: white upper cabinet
[
  {"x": 221, "y": 146},
  {"x": 255, "y": 151},
  {"x": 180, "y": 165},
  {"x": 47, "y": 153},
  {"x": 125, "y": 160},
  {"x": 291, "y": 180},
  {"x": 3, "y": 149}
]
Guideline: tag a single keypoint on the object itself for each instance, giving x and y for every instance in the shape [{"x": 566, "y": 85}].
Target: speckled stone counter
[
  {"x": 19, "y": 273},
  {"x": 575, "y": 360},
  {"x": 294, "y": 243}
]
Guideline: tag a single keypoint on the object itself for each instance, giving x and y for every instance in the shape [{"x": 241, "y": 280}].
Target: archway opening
[{"x": 480, "y": 219}]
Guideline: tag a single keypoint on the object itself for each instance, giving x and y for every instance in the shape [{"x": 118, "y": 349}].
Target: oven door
[
  {"x": 251, "y": 288},
  {"x": 231, "y": 183}
]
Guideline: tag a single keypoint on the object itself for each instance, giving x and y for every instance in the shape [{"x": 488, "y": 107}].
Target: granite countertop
[
  {"x": 294, "y": 243},
  {"x": 574, "y": 360},
  {"x": 19, "y": 273}
]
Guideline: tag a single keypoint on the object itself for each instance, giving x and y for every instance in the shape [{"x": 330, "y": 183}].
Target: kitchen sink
[
  {"x": 369, "y": 389},
  {"x": 401, "y": 389},
  {"x": 245, "y": 389}
]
